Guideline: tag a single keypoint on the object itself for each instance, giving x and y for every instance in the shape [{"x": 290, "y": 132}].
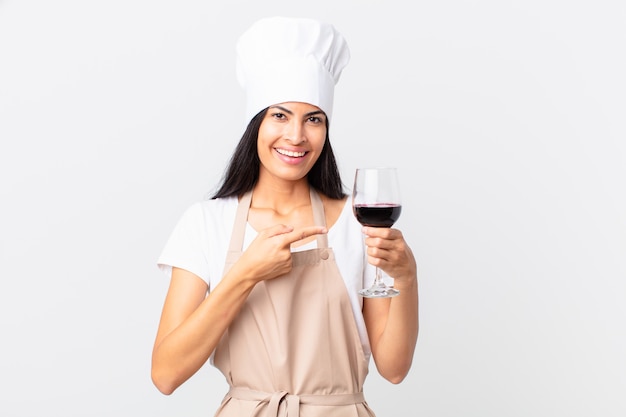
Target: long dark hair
[{"x": 242, "y": 172}]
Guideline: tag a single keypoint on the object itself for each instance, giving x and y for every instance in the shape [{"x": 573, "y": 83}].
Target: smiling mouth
[{"x": 291, "y": 154}]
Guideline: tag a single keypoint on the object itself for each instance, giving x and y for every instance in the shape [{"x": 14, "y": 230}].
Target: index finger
[{"x": 304, "y": 232}]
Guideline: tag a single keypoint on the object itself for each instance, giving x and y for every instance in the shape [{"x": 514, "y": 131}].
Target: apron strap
[
  {"x": 241, "y": 219},
  {"x": 273, "y": 400},
  {"x": 319, "y": 217}
]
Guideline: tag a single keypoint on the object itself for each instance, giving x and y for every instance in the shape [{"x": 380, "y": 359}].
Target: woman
[{"x": 264, "y": 276}]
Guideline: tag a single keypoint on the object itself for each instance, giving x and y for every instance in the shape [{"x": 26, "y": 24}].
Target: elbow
[
  {"x": 395, "y": 378},
  {"x": 164, "y": 384},
  {"x": 395, "y": 373}
]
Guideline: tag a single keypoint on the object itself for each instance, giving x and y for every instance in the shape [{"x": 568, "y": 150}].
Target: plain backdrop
[{"x": 505, "y": 119}]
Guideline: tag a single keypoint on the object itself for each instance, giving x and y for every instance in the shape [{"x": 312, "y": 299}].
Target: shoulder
[
  {"x": 345, "y": 228},
  {"x": 333, "y": 209},
  {"x": 216, "y": 206},
  {"x": 199, "y": 240},
  {"x": 206, "y": 214}
]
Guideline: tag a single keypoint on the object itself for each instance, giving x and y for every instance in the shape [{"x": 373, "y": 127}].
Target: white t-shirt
[{"x": 200, "y": 239}]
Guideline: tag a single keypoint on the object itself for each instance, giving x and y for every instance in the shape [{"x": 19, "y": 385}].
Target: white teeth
[{"x": 290, "y": 153}]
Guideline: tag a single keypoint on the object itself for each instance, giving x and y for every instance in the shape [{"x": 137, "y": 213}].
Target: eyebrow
[{"x": 313, "y": 113}]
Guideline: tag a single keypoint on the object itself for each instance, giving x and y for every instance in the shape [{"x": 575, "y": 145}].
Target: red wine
[{"x": 377, "y": 215}]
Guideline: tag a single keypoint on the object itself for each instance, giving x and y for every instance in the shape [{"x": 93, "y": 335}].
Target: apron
[{"x": 294, "y": 348}]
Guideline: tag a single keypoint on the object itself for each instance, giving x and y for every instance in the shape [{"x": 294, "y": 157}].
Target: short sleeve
[{"x": 187, "y": 245}]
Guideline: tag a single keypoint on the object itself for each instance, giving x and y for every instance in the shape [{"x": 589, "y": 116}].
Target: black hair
[{"x": 242, "y": 172}]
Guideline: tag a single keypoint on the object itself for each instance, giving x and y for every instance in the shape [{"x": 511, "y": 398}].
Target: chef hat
[{"x": 282, "y": 59}]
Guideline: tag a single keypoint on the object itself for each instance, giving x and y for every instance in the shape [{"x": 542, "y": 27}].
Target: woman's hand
[
  {"x": 269, "y": 254},
  {"x": 392, "y": 323},
  {"x": 387, "y": 249}
]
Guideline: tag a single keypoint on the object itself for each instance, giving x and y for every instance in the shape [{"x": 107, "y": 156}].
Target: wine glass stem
[{"x": 378, "y": 280}]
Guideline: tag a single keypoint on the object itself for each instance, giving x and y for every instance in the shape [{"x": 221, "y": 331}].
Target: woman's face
[{"x": 291, "y": 138}]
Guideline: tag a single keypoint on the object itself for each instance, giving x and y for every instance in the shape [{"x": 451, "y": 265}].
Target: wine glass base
[{"x": 379, "y": 292}]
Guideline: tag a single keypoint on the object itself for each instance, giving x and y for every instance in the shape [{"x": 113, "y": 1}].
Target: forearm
[
  {"x": 186, "y": 348},
  {"x": 394, "y": 347}
]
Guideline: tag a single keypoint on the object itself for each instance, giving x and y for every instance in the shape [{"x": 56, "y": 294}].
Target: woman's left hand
[
  {"x": 387, "y": 249},
  {"x": 392, "y": 323}
]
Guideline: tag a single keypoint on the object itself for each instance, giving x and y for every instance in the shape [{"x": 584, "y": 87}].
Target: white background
[{"x": 505, "y": 118}]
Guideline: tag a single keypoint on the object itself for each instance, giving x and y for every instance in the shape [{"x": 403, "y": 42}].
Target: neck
[{"x": 281, "y": 198}]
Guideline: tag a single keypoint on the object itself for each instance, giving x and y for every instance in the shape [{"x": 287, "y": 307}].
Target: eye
[
  {"x": 279, "y": 116},
  {"x": 315, "y": 119}
]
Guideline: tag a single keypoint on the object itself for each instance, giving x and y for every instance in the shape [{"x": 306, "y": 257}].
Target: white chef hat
[{"x": 281, "y": 59}]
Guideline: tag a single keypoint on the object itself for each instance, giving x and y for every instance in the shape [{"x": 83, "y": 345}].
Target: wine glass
[{"x": 376, "y": 202}]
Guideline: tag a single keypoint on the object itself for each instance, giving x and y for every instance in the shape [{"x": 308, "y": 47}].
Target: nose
[{"x": 295, "y": 132}]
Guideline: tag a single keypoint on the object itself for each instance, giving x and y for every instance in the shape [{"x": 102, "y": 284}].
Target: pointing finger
[
  {"x": 277, "y": 230},
  {"x": 303, "y": 233}
]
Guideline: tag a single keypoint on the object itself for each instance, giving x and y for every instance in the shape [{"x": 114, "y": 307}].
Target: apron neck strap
[{"x": 319, "y": 217}]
